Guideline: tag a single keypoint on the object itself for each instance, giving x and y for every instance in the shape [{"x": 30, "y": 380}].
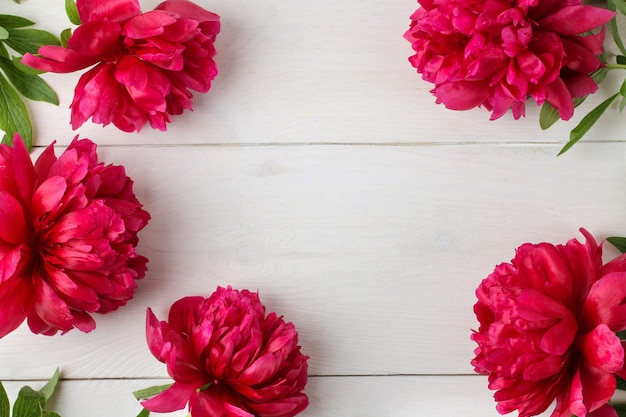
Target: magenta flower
[
  {"x": 548, "y": 323},
  {"x": 68, "y": 232},
  {"x": 497, "y": 53},
  {"x": 145, "y": 63},
  {"x": 228, "y": 358}
]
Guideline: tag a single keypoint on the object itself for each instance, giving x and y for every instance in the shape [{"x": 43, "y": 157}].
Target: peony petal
[
  {"x": 558, "y": 339},
  {"x": 602, "y": 349},
  {"x": 536, "y": 306},
  {"x": 461, "y": 95},
  {"x": 97, "y": 94},
  {"x": 15, "y": 303},
  {"x": 576, "y": 405},
  {"x": 78, "y": 297},
  {"x": 560, "y": 98},
  {"x": 605, "y": 411},
  {"x": 48, "y": 196},
  {"x": 96, "y": 39},
  {"x": 148, "y": 24},
  {"x": 574, "y": 20},
  {"x": 12, "y": 222},
  {"x": 83, "y": 321},
  {"x": 604, "y": 302},
  {"x": 44, "y": 162},
  {"x": 174, "y": 398},
  {"x": 579, "y": 58},
  {"x": 581, "y": 85},
  {"x": 188, "y": 10},
  {"x": 184, "y": 312},
  {"x": 262, "y": 369},
  {"x": 50, "y": 308},
  {"x": 286, "y": 407},
  {"x": 111, "y": 10},
  {"x": 23, "y": 169},
  {"x": 154, "y": 335},
  {"x": 58, "y": 59},
  {"x": 215, "y": 402},
  {"x": 597, "y": 387}
]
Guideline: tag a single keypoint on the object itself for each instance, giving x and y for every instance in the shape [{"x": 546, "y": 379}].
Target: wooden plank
[
  {"x": 374, "y": 252},
  {"x": 390, "y": 396},
  {"x": 290, "y": 72}
]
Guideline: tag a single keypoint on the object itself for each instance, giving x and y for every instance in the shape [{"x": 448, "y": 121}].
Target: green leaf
[
  {"x": 72, "y": 12},
  {"x": 613, "y": 27},
  {"x": 618, "y": 242},
  {"x": 150, "y": 392},
  {"x": 621, "y": 409},
  {"x": 4, "y": 34},
  {"x": 621, "y": 383},
  {"x": 620, "y": 59},
  {"x": 66, "y": 34},
  {"x": 586, "y": 123},
  {"x": 5, "y": 406},
  {"x": 50, "y": 386},
  {"x": 3, "y": 51},
  {"x": 13, "y": 115},
  {"x": 29, "y": 403},
  {"x": 144, "y": 413},
  {"x": 617, "y": 5},
  {"x": 548, "y": 116},
  {"x": 599, "y": 75},
  {"x": 9, "y": 21},
  {"x": 31, "y": 86},
  {"x": 30, "y": 40}
]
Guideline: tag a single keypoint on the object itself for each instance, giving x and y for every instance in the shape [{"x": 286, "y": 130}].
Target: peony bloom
[
  {"x": 68, "y": 231},
  {"x": 497, "y": 53},
  {"x": 548, "y": 323},
  {"x": 227, "y": 358},
  {"x": 145, "y": 63}
]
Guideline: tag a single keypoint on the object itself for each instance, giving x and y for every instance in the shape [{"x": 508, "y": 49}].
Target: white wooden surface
[{"x": 319, "y": 171}]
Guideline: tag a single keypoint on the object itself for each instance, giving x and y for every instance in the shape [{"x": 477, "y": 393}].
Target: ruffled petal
[
  {"x": 58, "y": 59},
  {"x": 12, "y": 222},
  {"x": 574, "y": 20},
  {"x": 111, "y": 10},
  {"x": 174, "y": 398}
]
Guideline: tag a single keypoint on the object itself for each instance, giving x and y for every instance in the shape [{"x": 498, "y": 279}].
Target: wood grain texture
[
  {"x": 374, "y": 252},
  {"x": 389, "y": 396},
  {"x": 319, "y": 171},
  {"x": 294, "y": 71}
]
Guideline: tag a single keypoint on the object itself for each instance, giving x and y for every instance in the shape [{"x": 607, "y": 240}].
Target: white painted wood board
[{"x": 319, "y": 171}]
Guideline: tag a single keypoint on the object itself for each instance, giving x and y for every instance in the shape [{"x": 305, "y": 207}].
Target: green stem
[{"x": 615, "y": 66}]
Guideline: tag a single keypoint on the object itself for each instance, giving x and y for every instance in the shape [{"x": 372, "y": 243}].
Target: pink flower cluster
[
  {"x": 228, "y": 358},
  {"x": 548, "y": 323},
  {"x": 145, "y": 63},
  {"x": 498, "y": 53},
  {"x": 68, "y": 232}
]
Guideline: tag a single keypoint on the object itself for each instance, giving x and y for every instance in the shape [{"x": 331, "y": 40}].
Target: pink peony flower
[
  {"x": 145, "y": 63},
  {"x": 228, "y": 358},
  {"x": 497, "y": 53},
  {"x": 548, "y": 323},
  {"x": 68, "y": 231}
]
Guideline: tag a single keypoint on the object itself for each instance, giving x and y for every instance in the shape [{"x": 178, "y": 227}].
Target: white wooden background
[{"x": 319, "y": 171}]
